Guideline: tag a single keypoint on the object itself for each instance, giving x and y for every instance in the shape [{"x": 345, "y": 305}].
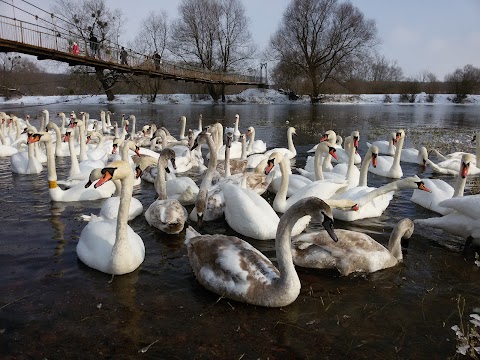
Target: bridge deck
[{"x": 27, "y": 38}]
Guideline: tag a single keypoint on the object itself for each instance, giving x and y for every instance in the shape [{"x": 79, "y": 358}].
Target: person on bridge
[
  {"x": 75, "y": 49},
  {"x": 93, "y": 45},
  {"x": 123, "y": 56},
  {"x": 157, "y": 60}
]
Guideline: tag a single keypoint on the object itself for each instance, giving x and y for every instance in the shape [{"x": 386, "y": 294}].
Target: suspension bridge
[{"x": 46, "y": 42}]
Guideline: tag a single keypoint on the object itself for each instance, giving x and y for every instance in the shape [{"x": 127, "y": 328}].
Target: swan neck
[
  {"x": 291, "y": 146},
  {"x": 121, "y": 245},
  {"x": 74, "y": 166},
  {"x": 364, "y": 169},
  {"x": 318, "y": 163},
  {"x": 288, "y": 275},
  {"x": 395, "y": 243},
  {"x": 281, "y": 197},
  {"x": 227, "y": 162},
  {"x": 379, "y": 191},
  {"x": 182, "y": 131},
  {"x": 477, "y": 140},
  {"x": 398, "y": 152},
  {"x": 460, "y": 185},
  {"x": 160, "y": 183},
  {"x": 51, "y": 169},
  {"x": 251, "y": 139},
  {"x": 244, "y": 150},
  {"x": 58, "y": 137},
  {"x": 118, "y": 188},
  {"x": 212, "y": 163},
  {"x": 351, "y": 161},
  {"x": 83, "y": 146},
  {"x": 133, "y": 127}
]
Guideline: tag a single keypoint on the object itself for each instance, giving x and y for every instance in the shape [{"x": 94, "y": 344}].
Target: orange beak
[
  {"x": 374, "y": 160},
  {"x": 424, "y": 168},
  {"x": 137, "y": 150},
  {"x": 464, "y": 170},
  {"x": 269, "y": 166},
  {"x": 333, "y": 152},
  {"x": 422, "y": 186},
  {"x": 355, "y": 207},
  {"x": 324, "y": 138},
  {"x": 114, "y": 149},
  {"x": 106, "y": 177}
]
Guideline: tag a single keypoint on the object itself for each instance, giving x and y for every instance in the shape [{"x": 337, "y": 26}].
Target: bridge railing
[{"x": 58, "y": 40}]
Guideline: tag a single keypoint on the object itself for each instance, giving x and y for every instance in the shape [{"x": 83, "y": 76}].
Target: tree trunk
[
  {"x": 223, "y": 92},
  {"x": 213, "y": 92},
  {"x": 107, "y": 85},
  {"x": 315, "y": 87}
]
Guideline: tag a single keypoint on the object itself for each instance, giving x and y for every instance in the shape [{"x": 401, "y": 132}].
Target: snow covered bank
[{"x": 249, "y": 96}]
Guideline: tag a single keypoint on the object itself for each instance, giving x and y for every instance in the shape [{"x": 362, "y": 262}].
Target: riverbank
[{"x": 249, "y": 96}]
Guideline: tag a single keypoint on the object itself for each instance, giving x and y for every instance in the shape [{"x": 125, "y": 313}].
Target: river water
[{"x": 54, "y": 307}]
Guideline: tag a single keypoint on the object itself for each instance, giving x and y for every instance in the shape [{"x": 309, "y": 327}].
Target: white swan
[
  {"x": 167, "y": 215},
  {"x": 61, "y": 147},
  {"x": 235, "y": 132},
  {"x": 353, "y": 252},
  {"x": 412, "y": 155},
  {"x": 463, "y": 221},
  {"x": 6, "y": 150},
  {"x": 289, "y": 152},
  {"x": 372, "y": 202},
  {"x": 440, "y": 190},
  {"x": 255, "y": 146},
  {"x": 25, "y": 162},
  {"x": 452, "y": 164},
  {"x": 75, "y": 193},
  {"x": 390, "y": 166},
  {"x": 323, "y": 189},
  {"x": 251, "y": 215},
  {"x": 342, "y": 154},
  {"x": 111, "y": 246},
  {"x": 386, "y": 147},
  {"x": 110, "y": 207},
  {"x": 232, "y": 268}
]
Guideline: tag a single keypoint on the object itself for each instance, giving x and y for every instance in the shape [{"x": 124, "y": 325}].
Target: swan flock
[{"x": 213, "y": 173}]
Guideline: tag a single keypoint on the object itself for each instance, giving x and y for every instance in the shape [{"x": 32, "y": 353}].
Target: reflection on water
[{"x": 53, "y": 306}]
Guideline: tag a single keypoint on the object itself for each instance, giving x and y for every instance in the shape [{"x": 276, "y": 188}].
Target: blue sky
[{"x": 434, "y": 35}]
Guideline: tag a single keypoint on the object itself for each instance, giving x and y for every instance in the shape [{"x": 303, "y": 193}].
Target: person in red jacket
[{"x": 75, "y": 49}]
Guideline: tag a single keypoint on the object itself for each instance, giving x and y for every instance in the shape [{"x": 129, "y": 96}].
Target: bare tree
[
  {"x": 320, "y": 37},
  {"x": 212, "y": 34},
  {"x": 93, "y": 16},
  {"x": 152, "y": 39},
  {"x": 464, "y": 81},
  {"x": 15, "y": 68}
]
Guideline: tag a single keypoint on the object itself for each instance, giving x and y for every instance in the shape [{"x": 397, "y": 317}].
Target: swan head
[
  {"x": 416, "y": 182},
  {"x": 201, "y": 139},
  {"x": 406, "y": 227},
  {"x": 274, "y": 159},
  {"x": 229, "y": 140},
  {"x": 116, "y": 170},
  {"x": 291, "y": 130},
  {"x": 356, "y": 137},
  {"x": 168, "y": 154},
  {"x": 400, "y": 134},
  {"x": 329, "y": 136},
  {"x": 393, "y": 138},
  {"x": 465, "y": 164},
  {"x": 250, "y": 130},
  {"x": 36, "y": 137},
  {"x": 318, "y": 210},
  {"x": 325, "y": 147},
  {"x": 67, "y": 136},
  {"x": 423, "y": 156},
  {"x": 95, "y": 174},
  {"x": 201, "y": 205},
  {"x": 373, "y": 153}
]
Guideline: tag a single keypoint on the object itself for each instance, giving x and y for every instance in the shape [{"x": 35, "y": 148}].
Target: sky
[{"x": 435, "y": 35}]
